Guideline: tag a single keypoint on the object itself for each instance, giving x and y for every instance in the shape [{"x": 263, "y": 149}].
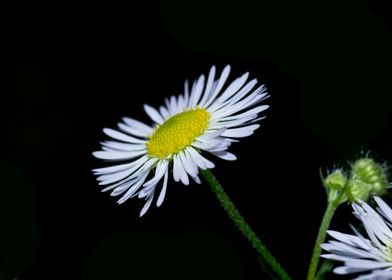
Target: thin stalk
[
  {"x": 320, "y": 239},
  {"x": 243, "y": 226}
]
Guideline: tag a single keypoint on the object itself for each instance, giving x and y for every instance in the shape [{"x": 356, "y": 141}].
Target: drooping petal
[
  {"x": 163, "y": 190},
  {"x": 147, "y": 205}
]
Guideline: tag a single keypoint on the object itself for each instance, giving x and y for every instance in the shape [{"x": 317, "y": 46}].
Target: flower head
[
  {"x": 367, "y": 178},
  {"x": 209, "y": 117},
  {"x": 361, "y": 254},
  {"x": 335, "y": 180},
  {"x": 335, "y": 184}
]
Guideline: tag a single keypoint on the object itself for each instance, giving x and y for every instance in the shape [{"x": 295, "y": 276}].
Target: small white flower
[
  {"x": 361, "y": 254},
  {"x": 207, "y": 118}
]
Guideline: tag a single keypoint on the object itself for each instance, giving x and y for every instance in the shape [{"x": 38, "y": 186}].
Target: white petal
[
  {"x": 111, "y": 169},
  {"x": 164, "y": 112},
  {"x": 132, "y": 190},
  {"x": 183, "y": 175},
  {"x": 163, "y": 190},
  {"x": 212, "y": 145},
  {"x": 147, "y": 205},
  {"x": 344, "y": 249},
  {"x": 224, "y": 155},
  {"x": 190, "y": 163},
  {"x": 186, "y": 92},
  {"x": 221, "y": 148},
  {"x": 213, "y": 133},
  {"x": 238, "y": 122},
  {"x": 202, "y": 162},
  {"x": 121, "y": 136},
  {"x": 132, "y": 184},
  {"x": 176, "y": 170},
  {"x": 173, "y": 105},
  {"x": 359, "y": 266},
  {"x": 250, "y": 112},
  {"x": 232, "y": 88},
  {"x": 137, "y": 125},
  {"x": 342, "y": 270},
  {"x": 146, "y": 191},
  {"x": 114, "y": 145},
  {"x": 238, "y": 96},
  {"x": 159, "y": 172},
  {"x": 376, "y": 216},
  {"x": 196, "y": 92},
  {"x": 245, "y": 91},
  {"x": 336, "y": 257},
  {"x": 370, "y": 231},
  {"x": 153, "y": 114},
  {"x": 115, "y": 177},
  {"x": 222, "y": 80},
  {"x": 231, "y": 109},
  {"x": 132, "y": 131},
  {"x": 208, "y": 89},
  {"x": 376, "y": 275},
  {"x": 181, "y": 103},
  {"x": 189, "y": 168},
  {"x": 140, "y": 165},
  {"x": 112, "y": 155},
  {"x": 176, "y": 103},
  {"x": 385, "y": 209},
  {"x": 349, "y": 239},
  {"x": 380, "y": 229},
  {"x": 241, "y": 132},
  {"x": 196, "y": 179}
]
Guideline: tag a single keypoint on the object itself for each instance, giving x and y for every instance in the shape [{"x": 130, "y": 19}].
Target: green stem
[
  {"x": 325, "y": 267},
  {"x": 320, "y": 239},
  {"x": 235, "y": 215}
]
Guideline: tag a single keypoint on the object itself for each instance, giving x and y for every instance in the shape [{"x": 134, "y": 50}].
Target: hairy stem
[
  {"x": 242, "y": 225},
  {"x": 320, "y": 239}
]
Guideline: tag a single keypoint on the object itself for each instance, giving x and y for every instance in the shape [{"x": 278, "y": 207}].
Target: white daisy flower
[
  {"x": 208, "y": 117},
  {"x": 361, "y": 254}
]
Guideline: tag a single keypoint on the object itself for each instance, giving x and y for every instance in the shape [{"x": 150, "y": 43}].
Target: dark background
[{"x": 68, "y": 70}]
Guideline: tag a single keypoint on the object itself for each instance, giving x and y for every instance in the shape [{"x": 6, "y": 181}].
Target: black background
[{"x": 68, "y": 70}]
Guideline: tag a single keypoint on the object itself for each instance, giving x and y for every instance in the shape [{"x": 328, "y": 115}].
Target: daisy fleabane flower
[
  {"x": 361, "y": 254},
  {"x": 208, "y": 117}
]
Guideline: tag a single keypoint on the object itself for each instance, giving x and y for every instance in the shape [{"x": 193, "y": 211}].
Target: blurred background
[{"x": 70, "y": 69}]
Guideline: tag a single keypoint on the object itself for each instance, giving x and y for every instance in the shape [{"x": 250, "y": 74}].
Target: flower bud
[
  {"x": 336, "y": 180},
  {"x": 367, "y": 178}
]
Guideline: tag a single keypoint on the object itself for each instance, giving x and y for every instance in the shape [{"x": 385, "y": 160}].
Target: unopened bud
[
  {"x": 367, "y": 178},
  {"x": 336, "y": 180}
]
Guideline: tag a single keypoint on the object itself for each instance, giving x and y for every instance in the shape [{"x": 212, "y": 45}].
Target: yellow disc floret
[
  {"x": 388, "y": 251},
  {"x": 177, "y": 133}
]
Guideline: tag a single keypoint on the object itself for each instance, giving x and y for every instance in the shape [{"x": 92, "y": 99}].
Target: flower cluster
[{"x": 365, "y": 179}]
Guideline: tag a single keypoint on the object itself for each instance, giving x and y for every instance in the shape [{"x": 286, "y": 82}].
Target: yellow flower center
[
  {"x": 177, "y": 133},
  {"x": 389, "y": 252}
]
